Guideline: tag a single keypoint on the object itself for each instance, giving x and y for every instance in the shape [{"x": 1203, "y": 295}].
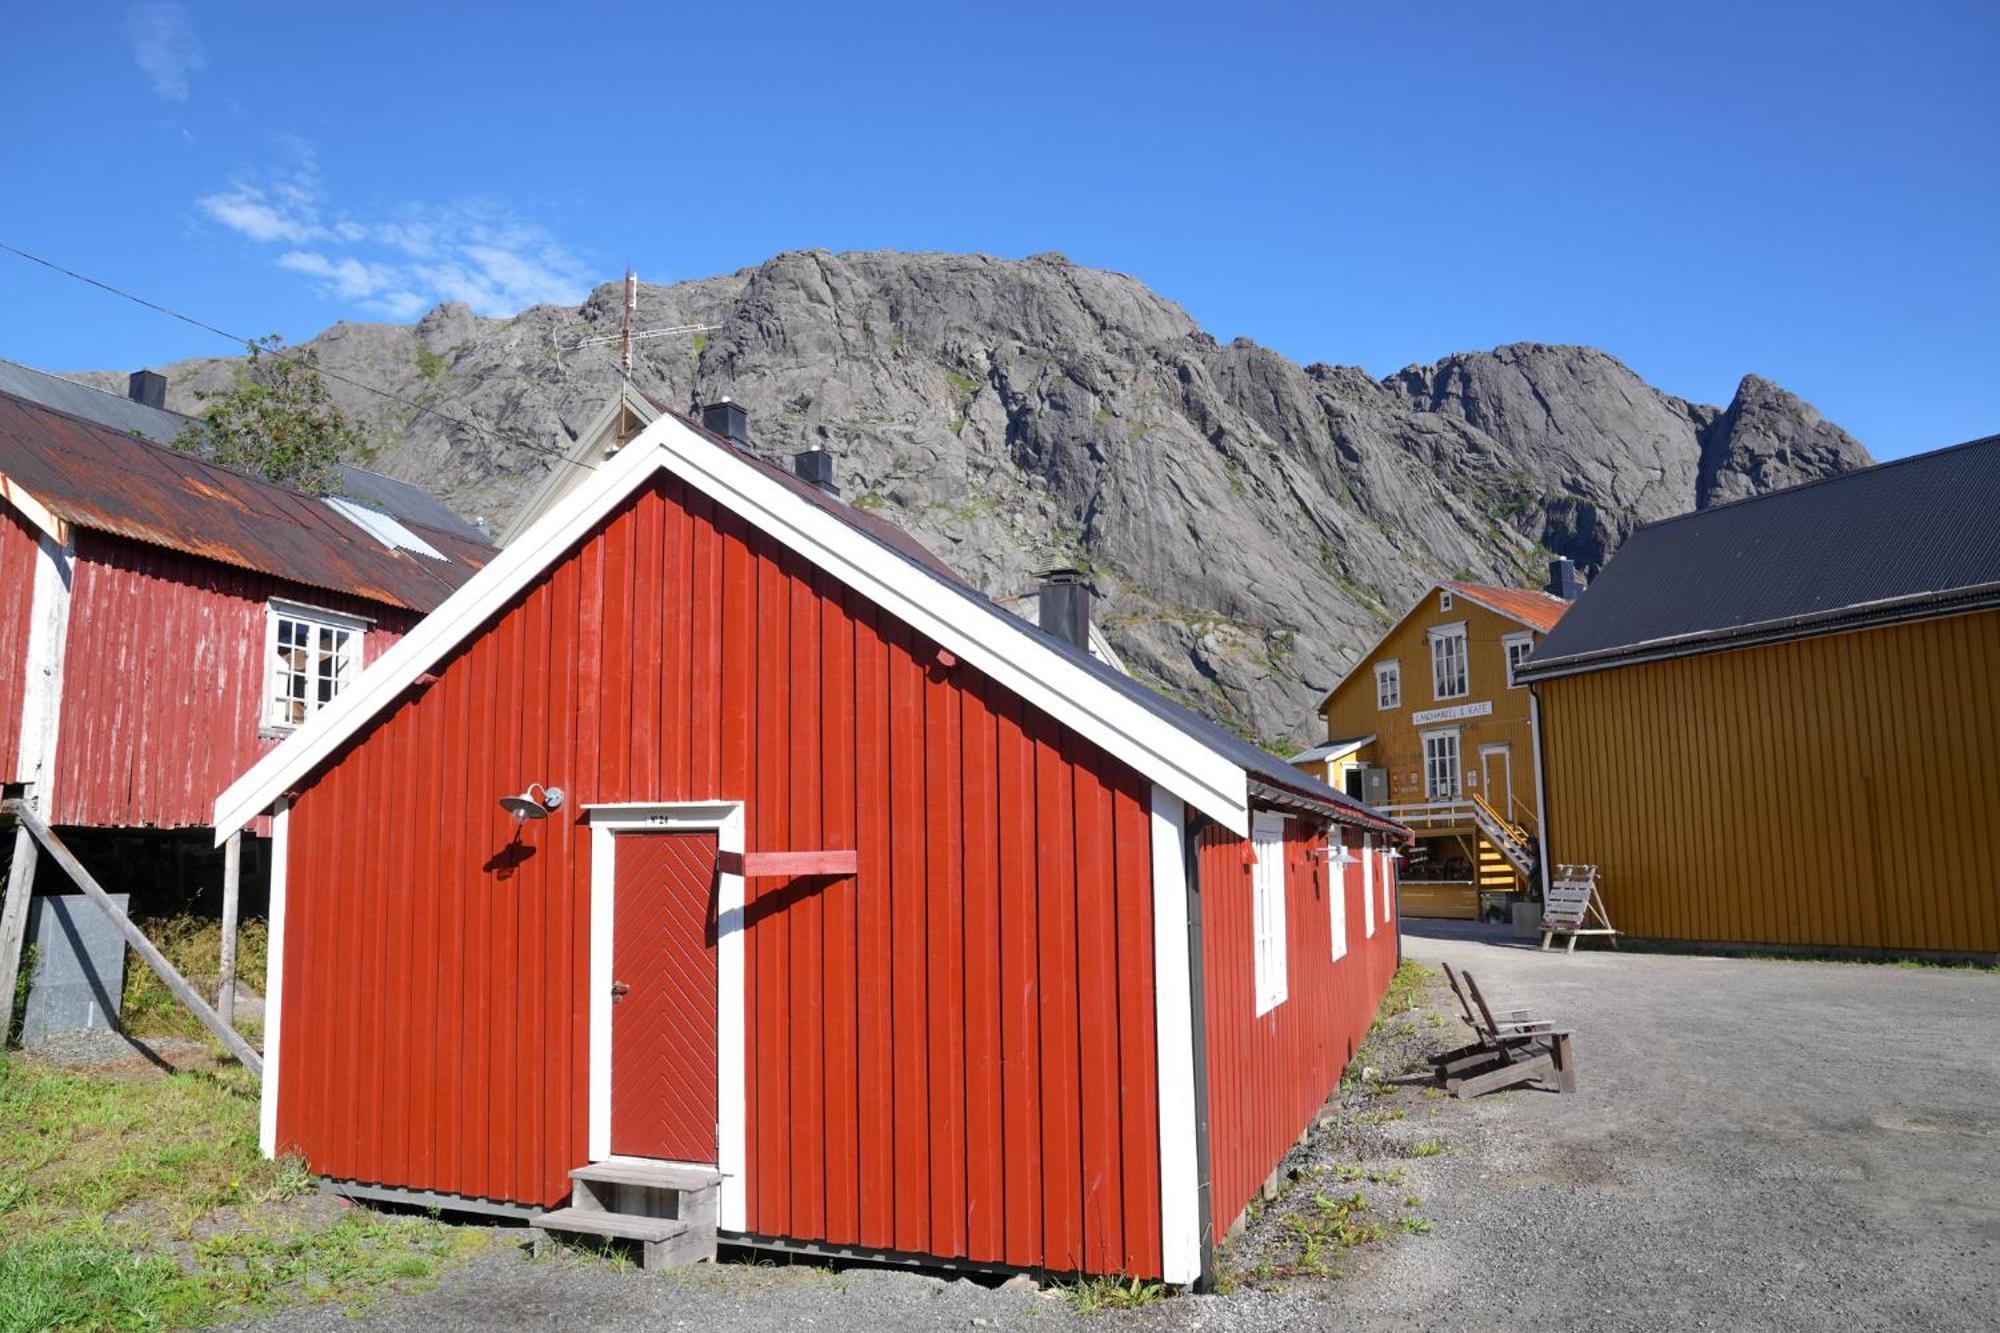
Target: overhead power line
[{"x": 295, "y": 359}]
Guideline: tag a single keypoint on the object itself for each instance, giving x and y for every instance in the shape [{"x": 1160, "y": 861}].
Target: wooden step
[
  {"x": 650, "y": 1175},
  {"x": 617, "y": 1226}
]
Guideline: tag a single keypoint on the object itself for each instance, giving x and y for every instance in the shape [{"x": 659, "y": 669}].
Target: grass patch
[
  {"x": 1405, "y": 994},
  {"x": 1092, "y": 1296},
  {"x": 132, "y": 1203},
  {"x": 193, "y": 944},
  {"x": 1426, "y": 1148}
]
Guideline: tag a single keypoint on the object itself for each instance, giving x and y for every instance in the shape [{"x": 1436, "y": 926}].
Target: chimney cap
[{"x": 148, "y": 387}]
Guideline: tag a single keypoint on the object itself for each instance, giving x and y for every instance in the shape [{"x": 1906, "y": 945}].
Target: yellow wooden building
[
  {"x": 1776, "y": 723},
  {"x": 1431, "y": 726}
]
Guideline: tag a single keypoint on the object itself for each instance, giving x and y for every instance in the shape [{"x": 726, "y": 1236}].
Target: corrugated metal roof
[
  {"x": 399, "y": 499},
  {"x": 1911, "y": 538},
  {"x": 107, "y": 480},
  {"x": 1538, "y": 609}
]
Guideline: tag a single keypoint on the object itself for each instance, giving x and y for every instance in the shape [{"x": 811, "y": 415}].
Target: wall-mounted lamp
[
  {"x": 525, "y": 807},
  {"x": 1395, "y": 853}
]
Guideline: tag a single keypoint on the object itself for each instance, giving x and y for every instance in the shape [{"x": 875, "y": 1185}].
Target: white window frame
[
  {"x": 1444, "y": 602},
  {"x": 1431, "y": 791},
  {"x": 1336, "y": 893},
  {"x": 1441, "y": 637},
  {"x": 321, "y": 621},
  {"x": 1267, "y": 906},
  {"x": 1508, "y": 643},
  {"x": 1389, "y": 673},
  {"x": 1368, "y": 883}
]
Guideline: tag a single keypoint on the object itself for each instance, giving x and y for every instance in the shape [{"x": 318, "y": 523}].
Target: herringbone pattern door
[{"x": 663, "y": 1076}]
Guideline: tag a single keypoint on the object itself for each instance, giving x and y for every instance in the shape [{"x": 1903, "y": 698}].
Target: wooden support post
[
  {"x": 232, "y": 876},
  {"x": 135, "y": 937},
  {"x": 14, "y": 921}
]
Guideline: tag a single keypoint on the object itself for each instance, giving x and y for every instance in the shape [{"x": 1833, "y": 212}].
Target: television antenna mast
[{"x": 626, "y": 334}]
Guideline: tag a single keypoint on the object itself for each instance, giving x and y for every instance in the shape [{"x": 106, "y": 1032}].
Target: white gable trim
[{"x": 991, "y": 642}]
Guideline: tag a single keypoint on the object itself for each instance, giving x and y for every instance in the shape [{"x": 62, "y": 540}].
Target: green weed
[{"x": 1092, "y": 1296}]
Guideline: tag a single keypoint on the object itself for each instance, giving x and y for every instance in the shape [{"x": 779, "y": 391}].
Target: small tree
[{"x": 277, "y": 419}]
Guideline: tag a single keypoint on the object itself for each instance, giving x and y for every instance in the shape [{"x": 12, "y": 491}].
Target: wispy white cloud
[
  {"x": 164, "y": 44},
  {"x": 475, "y": 251}
]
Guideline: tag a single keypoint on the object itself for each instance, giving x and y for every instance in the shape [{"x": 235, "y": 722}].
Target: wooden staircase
[
  {"x": 668, "y": 1210},
  {"x": 1505, "y": 848}
]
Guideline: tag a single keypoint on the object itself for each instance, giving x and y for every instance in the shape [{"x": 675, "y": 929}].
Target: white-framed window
[
  {"x": 1441, "y": 765},
  {"x": 1444, "y": 602},
  {"x": 1517, "y": 647},
  {"x": 1336, "y": 892},
  {"x": 1267, "y": 903},
  {"x": 1388, "y": 684},
  {"x": 310, "y": 656},
  {"x": 1368, "y": 882},
  {"x": 1448, "y": 674}
]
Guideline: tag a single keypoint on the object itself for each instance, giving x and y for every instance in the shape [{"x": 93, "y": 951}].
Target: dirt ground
[{"x": 1756, "y": 1144}]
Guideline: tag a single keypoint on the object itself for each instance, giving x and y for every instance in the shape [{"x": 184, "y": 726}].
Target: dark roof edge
[
  {"x": 1861, "y": 615},
  {"x": 1269, "y": 793},
  {"x": 1828, "y": 479}
]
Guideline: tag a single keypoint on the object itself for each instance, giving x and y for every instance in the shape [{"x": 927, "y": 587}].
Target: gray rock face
[{"x": 1250, "y": 525}]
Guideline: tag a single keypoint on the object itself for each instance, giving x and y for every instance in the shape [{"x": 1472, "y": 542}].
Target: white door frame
[
  {"x": 1457, "y": 762},
  {"x": 1506, "y": 752},
  {"x": 725, "y": 820}
]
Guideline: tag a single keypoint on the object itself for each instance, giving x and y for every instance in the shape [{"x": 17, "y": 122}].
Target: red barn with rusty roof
[
  {"x": 164, "y": 621},
  {"x": 842, "y": 911}
]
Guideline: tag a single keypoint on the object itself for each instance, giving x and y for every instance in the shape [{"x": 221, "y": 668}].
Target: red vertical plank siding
[
  {"x": 1268, "y": 1074},
  {"x": 163, "y": 680},
  {"x": 19, "y": 545},
  {"x": 949, "y": 1052}
]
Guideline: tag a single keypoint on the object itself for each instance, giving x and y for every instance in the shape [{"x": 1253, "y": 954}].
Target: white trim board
[
  {"x": 1174, "y": 1053},
  {"x": 732, "y": 1127},
  {"x": 274, "y": 983},
  {"x": 991, "y": 641},
  {"x": 42, "y": 674}
]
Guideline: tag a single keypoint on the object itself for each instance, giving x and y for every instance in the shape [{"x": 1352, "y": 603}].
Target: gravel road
[{"x": 1756, "y": 1144}]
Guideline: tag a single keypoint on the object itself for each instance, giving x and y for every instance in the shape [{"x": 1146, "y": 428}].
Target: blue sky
[{"x": 1805, "y": 191}]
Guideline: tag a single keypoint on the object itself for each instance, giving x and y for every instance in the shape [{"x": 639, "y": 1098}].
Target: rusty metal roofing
[
  {"x": 1538, "y": 610},
  {"x": 96, "y": 477}
]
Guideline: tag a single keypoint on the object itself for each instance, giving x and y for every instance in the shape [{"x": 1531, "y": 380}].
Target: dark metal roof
[
  {"x": 1910, "y": 539},
  {"x": 1281, "y": 783},
  {"x": 107, "y": 480},
  {"x": 399, "y": 499}
]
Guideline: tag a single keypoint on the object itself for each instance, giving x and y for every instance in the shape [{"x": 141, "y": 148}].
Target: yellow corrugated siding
[{"x": 1836, "y": 791}]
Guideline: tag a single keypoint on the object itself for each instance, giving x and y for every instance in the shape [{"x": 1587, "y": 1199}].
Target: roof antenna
[{"x": 626, "y": 334}]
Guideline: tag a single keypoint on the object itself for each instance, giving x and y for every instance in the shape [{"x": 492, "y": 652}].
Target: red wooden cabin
[
  {"x": 164, "y": 621},
  {"x": 928, "y": 934}
]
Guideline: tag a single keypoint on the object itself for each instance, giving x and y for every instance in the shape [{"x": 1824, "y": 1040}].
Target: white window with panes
[
  {"x": 1518, "y": 646},
  {"x": 1267, "y": 902},
  {"x": 311, "y": 655},
  {"x": 1448, "y": 674},
  {"x": 1441, "y": 765},
  {"x": 1388, "y": 684}
]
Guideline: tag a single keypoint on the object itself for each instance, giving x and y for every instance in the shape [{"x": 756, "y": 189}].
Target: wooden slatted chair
[{"x": 1511, "y": 1051}]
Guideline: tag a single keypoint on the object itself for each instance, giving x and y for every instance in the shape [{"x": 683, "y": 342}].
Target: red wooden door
[{"x": 663, "y": 1048}]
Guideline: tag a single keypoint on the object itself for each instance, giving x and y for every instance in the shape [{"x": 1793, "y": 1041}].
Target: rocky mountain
[{"x": 1250, "y": 525}]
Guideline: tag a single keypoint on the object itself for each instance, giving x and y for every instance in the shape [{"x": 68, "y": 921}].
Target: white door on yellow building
[
  {"x": 1496, "y": 775},
  {"x": 1441, "y": 765}
]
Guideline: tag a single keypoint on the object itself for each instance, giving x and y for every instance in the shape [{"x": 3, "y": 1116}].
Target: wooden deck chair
[
  {"x": 1533, "y": 1051},
  {"x": 1487, "y": 1033}
]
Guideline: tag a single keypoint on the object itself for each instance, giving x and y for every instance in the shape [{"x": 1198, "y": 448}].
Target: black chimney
[
  {"x": 148, "y": 387},
  {"x": 728, "y": 420},
  {"x": 816, "y": 466},
  {"x": 1564, "y": 581},
  {"x": 1064, "y": 605}
]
